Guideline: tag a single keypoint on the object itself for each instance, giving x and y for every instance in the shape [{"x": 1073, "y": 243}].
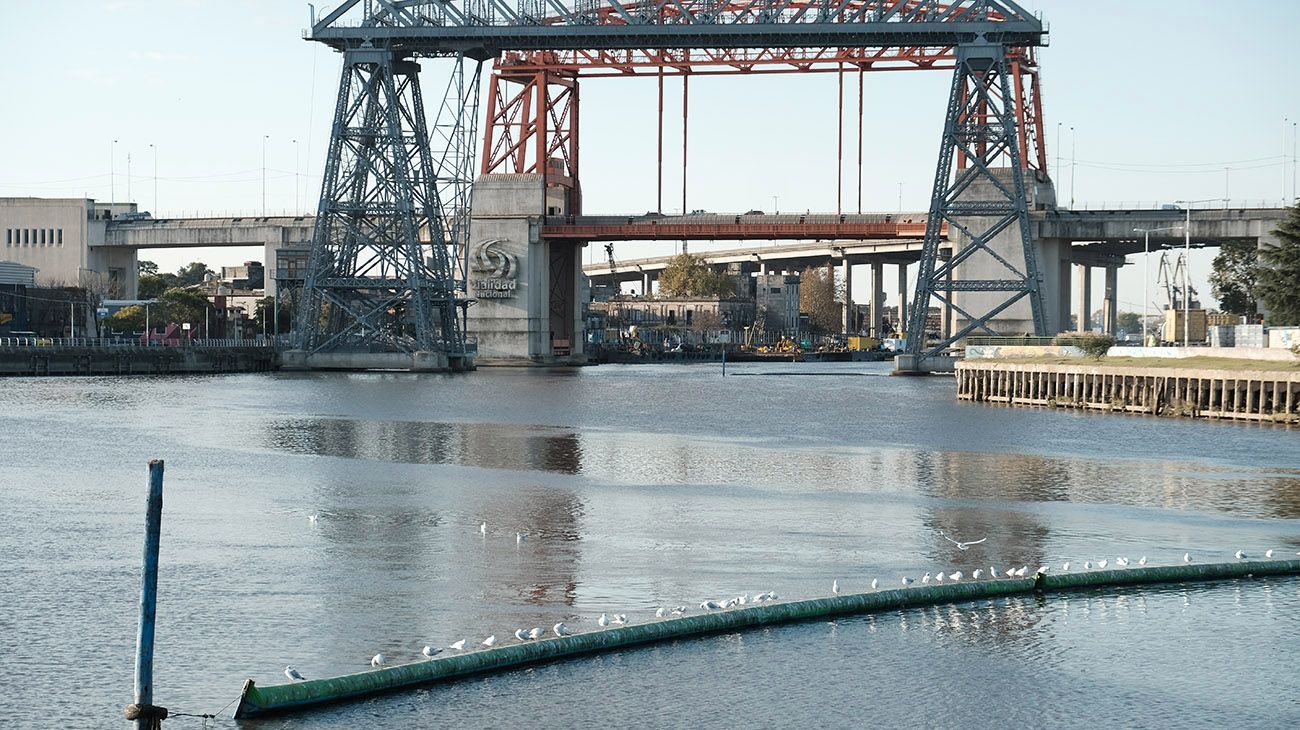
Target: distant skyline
[{"x": 1167, "y": 100}]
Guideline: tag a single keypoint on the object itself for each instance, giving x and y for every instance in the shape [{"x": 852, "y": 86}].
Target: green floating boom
[{"x": 259, "y": 701}]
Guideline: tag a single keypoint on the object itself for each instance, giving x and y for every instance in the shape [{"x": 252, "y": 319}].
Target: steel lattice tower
[
  {"x": 380, "y": 276},
  {"x": 980, "y": 130}
]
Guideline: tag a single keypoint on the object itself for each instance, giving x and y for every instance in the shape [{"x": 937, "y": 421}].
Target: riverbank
[
  {"x": 1267, "y": 391},
  {"x": 42, "y": 360}
]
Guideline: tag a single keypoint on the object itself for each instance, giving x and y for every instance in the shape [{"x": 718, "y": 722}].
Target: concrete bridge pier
[
  {"x": 846, "y": 273},
  {"x": 902, "y": 299},
  {"x": 1109, "y": 315},
  {"x": 875, "y": 327},
  {"x": 1083, "y": 279},
  {"x": 528, "y": 308}
]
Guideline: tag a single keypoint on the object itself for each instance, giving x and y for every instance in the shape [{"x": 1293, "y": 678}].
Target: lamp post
[
  {"x": 1187, "y": 265},
  {"x": 900, "y": 197},
  {"x": 112, "y": 177},
  {"x": 1146, "y": 274},
  {"x": 1073, "y": 165},
  {"x": 1058, "y": 148},
  {"x": 264, "y": 138},
  {"x": 155, "y": 179}
]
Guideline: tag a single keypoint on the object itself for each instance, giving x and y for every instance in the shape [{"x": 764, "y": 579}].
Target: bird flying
[{"x": 962, "y": 545}]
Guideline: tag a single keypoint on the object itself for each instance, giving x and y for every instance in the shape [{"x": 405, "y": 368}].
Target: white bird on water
[
  {"x": 603, "y": 621},
  {"x": 1020, "y": 572},
  {"x": 874, "y": 583},
  {"x": 489, "y": 641},
  {"x": 908, "y": 581},
  {"x": 976, "y": 575},
  {"x": 482, "y": 529},
  {"x": 938, "y": 577},
  {"x": 925, "y": 579},
  {"x": 619, "y": 619},
  {"x": 430, "y": 652},
  {"x": 1121, "y": 562},
  {"x": 962, "y": 545},
  {"x": 835, "y": 587},
  {"x": 711, "y": 606},
  {"x": 521, "y": 634},
  {"x": 1101, "y": 563},
  {"x": 1187, "y": 557},
  {"x": 1011, "y": 573},
  {"x": 520, "y": 537},
  {"x": 1142, "y": 560},
  {"x": 1268, "y": 554},
  {"x": 378, "y": 660},
  {"x": 955, "y": 576},
  {"x": 1087, "y": 565},
  {"x": 313, "y": 518},
  {"x": 1239, "y": 555},
  {"x": 678, "y": 611},
  {"x": 536, "y": 633},
  {"x": 661, "y": 612},
  {"x": 293, "y": 674},
  {"x": 560, "y": 629},
  {"x": 458, "y": 645},
  {"x": 1065, "y": 567}
]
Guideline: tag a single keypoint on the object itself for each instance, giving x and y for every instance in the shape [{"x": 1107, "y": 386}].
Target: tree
[
  {"x": 152, "y": 286},
  {"x": 1129, "y": 322},
  {"x": 284, "y": 315},
  {"x": 128, "y": 319},
  {"x": 817, "y": 300},
  {"x": 146, "y": 268},
  {"x": 1279, "y": 276},
  {"x": 192, "y": 273},
  {"x": 180, "y": 306},
  {"x": 1233, "y": 279},
  {"x": 688, "y": 275}
]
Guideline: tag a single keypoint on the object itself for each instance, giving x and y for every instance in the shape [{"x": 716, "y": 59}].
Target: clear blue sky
[{"x": 1162, "y": 96}]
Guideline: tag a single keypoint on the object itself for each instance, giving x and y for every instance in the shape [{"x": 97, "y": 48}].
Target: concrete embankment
[
  {"x": 1239, "y": 393},
  {"x": 133, "y": 360}
]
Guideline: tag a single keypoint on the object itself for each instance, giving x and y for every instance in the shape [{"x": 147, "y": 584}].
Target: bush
[{"x": 1093, "y": 345}]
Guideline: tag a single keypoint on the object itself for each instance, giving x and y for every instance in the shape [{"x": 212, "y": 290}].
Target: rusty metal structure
[{"x": 541, "y": 50}]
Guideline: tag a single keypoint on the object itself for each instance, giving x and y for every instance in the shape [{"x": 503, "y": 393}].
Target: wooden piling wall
[{"x": 1250, "y": 395}]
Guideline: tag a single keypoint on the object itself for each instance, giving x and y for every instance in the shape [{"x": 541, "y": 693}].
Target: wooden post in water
[{"x": 144, "y": 713}]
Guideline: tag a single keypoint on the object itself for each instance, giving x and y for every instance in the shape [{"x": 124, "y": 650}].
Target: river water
[{"x": 638, "y": 486}]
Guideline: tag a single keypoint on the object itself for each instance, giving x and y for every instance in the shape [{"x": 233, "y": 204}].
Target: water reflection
[{"x": 486, "y": 445}]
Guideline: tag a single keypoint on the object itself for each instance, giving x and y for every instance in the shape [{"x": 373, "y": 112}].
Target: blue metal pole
[{"x": 148, "y": 595}]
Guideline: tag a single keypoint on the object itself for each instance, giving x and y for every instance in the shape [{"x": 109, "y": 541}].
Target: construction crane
[{"x": 1172, "y": 278}]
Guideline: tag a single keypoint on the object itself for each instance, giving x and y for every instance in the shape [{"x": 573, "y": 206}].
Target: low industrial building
[{"x": 63, "y": 238}]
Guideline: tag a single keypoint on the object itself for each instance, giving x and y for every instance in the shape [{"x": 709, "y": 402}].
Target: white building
[{"x": 64, "y": 239}]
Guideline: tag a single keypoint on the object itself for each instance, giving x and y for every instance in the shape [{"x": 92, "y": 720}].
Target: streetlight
[
  {"x": 900, "y": 197},
  {"x": 264, "y": 138},
  {"x": 1146, "y": 274},
  {"x": 155, "y": 178},
  {"x": 112, "y": 177},
  {"x": 1058, "y": 147},
  {"x": 1187, "y": 265},
  {"x": 776, "y": 209},
  {"x": 1073, "y": 165}
]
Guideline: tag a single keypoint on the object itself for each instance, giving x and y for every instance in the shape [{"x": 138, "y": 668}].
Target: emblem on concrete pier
[{"x": 499, "y": 270}]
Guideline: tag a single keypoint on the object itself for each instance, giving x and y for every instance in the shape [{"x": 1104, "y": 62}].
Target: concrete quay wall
[
  {"x": 1250, "y": 395},
  {"x": 131, "y": 360}
]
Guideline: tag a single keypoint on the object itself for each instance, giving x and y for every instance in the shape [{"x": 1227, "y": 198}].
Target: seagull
[
  {"x": 835, "y": 586},
  {"x": 482, "y": 529},
  {"x": 1087, "y": 565},
  {"x": 976, "y": 575},
  {"x": 1187, "y": 557},
  {"x": 742, "y": 599},
  {"x": 536, "y": 633},
  {"x": 874, "y": 583},
  {"x": 312, "y": 519},
  {"x": 521, "y": 634},
  {"x": 1101, "y": 563},
  {"x": 293, "y": 674},
  {"x": 1240, "y": 555},
  {"x": 1268, "y": 554},
  {"x": 1020, "y": 572},
  {"x": 661, "y": 612},
  {"x": 1065, "y": 567},
  {"x": 619, "y": 620},
  {"x": 430, "y": 652},
  {"x": 603, "y": 621},
  {"x": 925, "y": 579},
  {"x": 520, "y": 537},
  {"x": 458, "y": 645},
  {"x": 378, "y": 660},
  {"x": 711, "y": 606},
  {"x": 489, "y": 641},
  {"x": 560, "y": 629},
  {"x": 938, "y": 577},
  {"x": 1121, "y": 562},
  {"x": 1142, "y": 560},
  {"x": 962, "y": 545},
  {"x": 908, "y": 581},
  {"x": 678, "y": 611},
  {"x": 1011, "y": 572},
  {"x": 955, "y": 576}
]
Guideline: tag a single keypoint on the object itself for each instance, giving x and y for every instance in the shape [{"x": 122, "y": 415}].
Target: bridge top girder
[{"x": 485, "y": 28}]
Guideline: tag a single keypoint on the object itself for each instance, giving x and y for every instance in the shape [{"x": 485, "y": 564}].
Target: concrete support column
[
  {"x": 846, "y": 273},
  {"x": 645, "y": 283},
  {"x": 1083, "y": 275},
  {"x": 876, "y": 325},
  {"x": 1109, "y": 315},
  {"x": 902, "y": 298}
]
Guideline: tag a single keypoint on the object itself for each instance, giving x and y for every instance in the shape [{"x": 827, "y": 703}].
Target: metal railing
[{"x": 130, "y": 342}]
